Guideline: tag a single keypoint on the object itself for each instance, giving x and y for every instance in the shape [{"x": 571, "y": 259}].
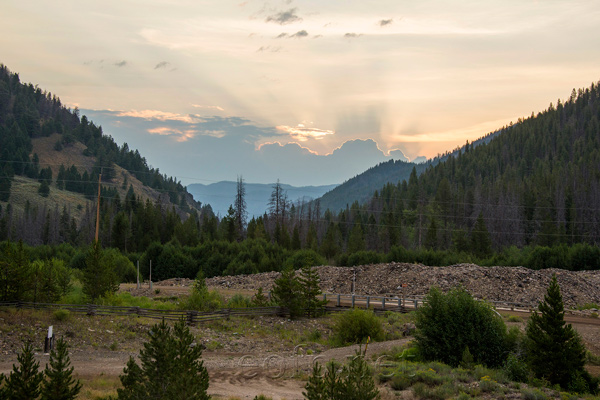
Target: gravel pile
[{"x": 513, "y": 284}]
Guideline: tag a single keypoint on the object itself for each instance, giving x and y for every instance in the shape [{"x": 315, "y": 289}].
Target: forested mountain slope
[
  {"x": 50, "y": 162},
  {"x": 538, "y": 182},
  {"x": 361, "y": 187}
]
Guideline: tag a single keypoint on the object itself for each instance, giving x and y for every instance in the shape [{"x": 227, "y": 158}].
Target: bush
[
  {"x": 201, "y": 298},
  {"x": 303, "y": 258},
  {"x": 516, "y": 369},
  {"x": 62, "y": 315},
  {"x": 356, "y": 325},
  {"x": 448, "y": 323},
  {"x": 239, "y": 301},
  {"x": 533, "y": 394},
  {"x": 352, "y": 382}
]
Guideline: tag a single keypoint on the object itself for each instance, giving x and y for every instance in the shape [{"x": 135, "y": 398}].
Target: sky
[{"x": 308, "y": 92}]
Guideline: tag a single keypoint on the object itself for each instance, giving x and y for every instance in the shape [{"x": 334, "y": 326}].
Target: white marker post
[{"x": 49, "y": 340}]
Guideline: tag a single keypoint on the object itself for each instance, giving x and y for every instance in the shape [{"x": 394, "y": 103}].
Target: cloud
[
  {"x": 121, "y": 63},
  {"x": 303, "y": 133},
  {"x": 352, "y": 35},
  {"x": 398, "y": 154},
  {"x": 299, "y": 34},
  {"x": 208, "y": 107},
  {"x": 162, "y": 64},
  {"x": 180, "y": 135},
  {"x": 159, "y": 115},
  {"x": 284, "y": 17},
  {"x": 268, "y": 49},
  {"x": 385, "y": 22},
  {"x": 214, "y": 133}
]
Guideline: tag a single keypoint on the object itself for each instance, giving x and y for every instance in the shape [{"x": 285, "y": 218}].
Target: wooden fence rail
[
  {"x": 335, "y": 303},
  {"x": 190, "y": 316}
]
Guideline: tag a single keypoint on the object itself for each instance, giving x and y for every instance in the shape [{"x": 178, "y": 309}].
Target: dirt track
[{"x": 231, "y": 375}]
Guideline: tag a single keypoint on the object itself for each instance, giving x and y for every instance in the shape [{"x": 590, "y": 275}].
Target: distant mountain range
[{"x": 221, "y": 195}]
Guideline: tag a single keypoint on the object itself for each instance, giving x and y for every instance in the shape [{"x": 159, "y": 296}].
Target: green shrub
[
  {"x": 514, "y": 318},
  {"x": 356, "y": 325},
  {"x": 352, "y": 382},
  {"x": 448, "y": 323},
  {"x": 516, "y": 369},
  {"x": 62, "y": 315},
  {"x": 239, "y": 301},
  {"x": 201, "y": 298},
  {"x": 259, "y": 299},
  {"x": 533, "y": 394}
]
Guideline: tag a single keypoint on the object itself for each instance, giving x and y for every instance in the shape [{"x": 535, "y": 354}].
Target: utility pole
[{"x": 98, "y": 209}]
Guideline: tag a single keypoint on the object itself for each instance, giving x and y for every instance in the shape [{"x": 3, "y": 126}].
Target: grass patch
[
  {"x": 124, "y": 299},
  {"x": 514, "y": 318},
  {"x": 587, "y": 306},
  {"x": 98, "y": 387}
]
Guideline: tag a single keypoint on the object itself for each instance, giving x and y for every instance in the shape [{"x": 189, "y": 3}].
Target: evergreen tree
[
  {"x": 14, "y": 270},
  {"x": 241, "y": 212},
  {"x": 23, "y": 383},
  {"x": 98, "y": 277},
  {"x": 356, "y": 242},
  {"x": 481, "y": 244},
  {"x": 287, "y": 292},
  {"x": 59, "y": 383},
  {"x": 3, "y": 393},
  {"x": 170, "y": 367},
  {"x": 431, "y": 238},
  {"x": 309, "y": 281},
  {"x": 555, "y": 350},
  {"x": 44, "y": 189}
]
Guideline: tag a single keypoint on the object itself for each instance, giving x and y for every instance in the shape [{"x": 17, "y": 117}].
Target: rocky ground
[{"x": 513, "y": 284}]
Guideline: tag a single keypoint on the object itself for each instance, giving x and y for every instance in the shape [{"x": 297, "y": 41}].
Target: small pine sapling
[
  {"x": 23, "y": 383},
  {"x": 59, "y": 383}
]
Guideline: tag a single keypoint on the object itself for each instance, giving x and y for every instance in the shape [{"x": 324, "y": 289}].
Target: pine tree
[
  {"x": 23, "y": 383},
  {"x": 555, "y": 350},
  {"x": 309, "y": 281},
  {"x": 44, "y": 189},
  {"x": 480, "y": 238},
  {"x": 3, "y": 394},
  {"x": 241, "y": 212},
  {"x": 171, "y": 367},
  {"x": 287, "y": 292},
  {"x": 59, "y": 384},
  {"x": 98, "y": 278}
]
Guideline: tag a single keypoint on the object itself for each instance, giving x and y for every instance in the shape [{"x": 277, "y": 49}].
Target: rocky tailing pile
[{"x": 514, "y": 284}]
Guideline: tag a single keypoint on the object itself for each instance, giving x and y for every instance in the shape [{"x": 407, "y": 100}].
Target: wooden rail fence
[{"x": 335, "y": 303}]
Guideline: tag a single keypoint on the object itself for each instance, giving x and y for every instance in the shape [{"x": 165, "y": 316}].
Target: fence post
[
  {"x": 324, "y": 296},
  {"x": 399, "y": 303},
  {"x": 416, "y": 303},
  {"x": 353, "y": 300},
  {"x": 339, "y": 300},
  {"x": 368, "y": 301},
  {"x": 383, "y": 302}
]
